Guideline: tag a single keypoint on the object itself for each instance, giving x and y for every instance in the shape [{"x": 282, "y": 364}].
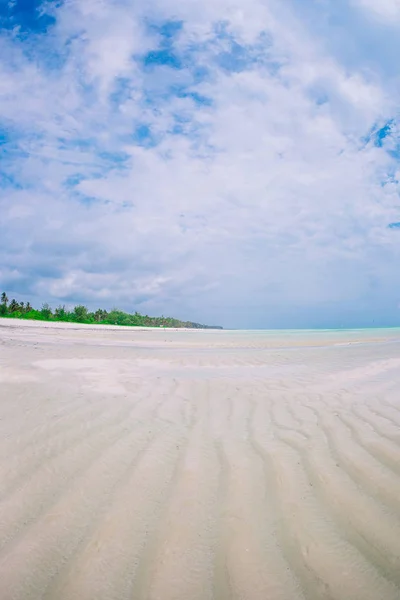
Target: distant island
[{"x": 80, "y": 314}]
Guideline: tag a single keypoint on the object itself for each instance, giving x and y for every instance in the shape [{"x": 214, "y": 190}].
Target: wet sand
[{"x": 198, "y": 465}]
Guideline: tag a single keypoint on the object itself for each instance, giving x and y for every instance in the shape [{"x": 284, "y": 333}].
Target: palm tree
[
  {"x": 4, "y": 299},
  {"x": 14, "y": 306},
  {"x": 100, "y": 315}
]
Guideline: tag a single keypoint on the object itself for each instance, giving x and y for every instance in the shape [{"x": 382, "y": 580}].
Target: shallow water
[{"x": 199, "y": 465}]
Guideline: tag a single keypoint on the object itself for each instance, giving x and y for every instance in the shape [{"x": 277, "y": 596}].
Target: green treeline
[{"x": 80, "y": 314}]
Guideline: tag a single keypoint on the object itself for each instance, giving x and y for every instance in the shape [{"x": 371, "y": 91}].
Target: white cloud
[
  {"x": 266, "y": 196},
  {"x": 388, "y": 10}
]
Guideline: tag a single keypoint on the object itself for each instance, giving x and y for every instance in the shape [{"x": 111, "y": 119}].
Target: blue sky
[{"x": 227, "y": 162}]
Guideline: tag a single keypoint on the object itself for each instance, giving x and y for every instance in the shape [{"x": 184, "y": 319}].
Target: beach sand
[{"x": 196, "y": 465}]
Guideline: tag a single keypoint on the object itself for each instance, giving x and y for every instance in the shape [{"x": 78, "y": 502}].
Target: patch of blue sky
[
  {"x": 155, "y": 99},
  {"x": 164, "y": 54},
  {"x": 76, "y": 143},
  {"x": 51, "y": 57},
  {"x": 390, "y": 177},
  {"x": 38, "y": 53},
  {"x": 179, "y": 129},
  {"x": 185, "y": 125},
  {"x": 107, "y": 162},
  {"x": 10, "y": 133},
  {"x": 113, "y": 158},
  {"x": 186, "y": 92},
  {"x": 27, "y": 16},
  {"x": 386, "y": 137},
  {"x": 237, "y": 57},
  {"x": 195, "y": 133},
  {"x": 198, "y": 73},
  {"x": 86, "y": 200},
  {"x": 30, "y": 22},
  {"x": 73, "y": 180},
  {"x": 122, "y": 91},
  {"x": 395, "y": 152},
  {"x": 167, "y": 30},
  {"x": 9, "y": 181},
  {"x": 10, "y": 153},
  {"x": 384, "y": 132},
  {"x": 167, "y": 54},
  {"x": 185, "y": 89},
  {"x": 3, "y": 137},
  {"x": 144, "y": 136},
  {"x": 319, "y": 95},
  {"x": 395, "y": 225},
  {"x": 88, "y": 89},
  {"x": 165, "y": 57}
]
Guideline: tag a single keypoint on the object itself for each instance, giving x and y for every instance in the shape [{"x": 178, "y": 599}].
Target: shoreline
[
  {"x": 20, "y": 323},
  {"x": 9, "y": 322}
]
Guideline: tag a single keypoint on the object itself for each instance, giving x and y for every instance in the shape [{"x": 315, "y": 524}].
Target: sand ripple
[{"x": 158, "y": 465}]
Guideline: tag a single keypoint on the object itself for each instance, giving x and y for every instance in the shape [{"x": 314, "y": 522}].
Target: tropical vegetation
[{"x": 81, "y": 314}]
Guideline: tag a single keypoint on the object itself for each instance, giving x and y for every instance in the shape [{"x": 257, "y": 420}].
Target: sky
[{"x": 231, "y": 162}]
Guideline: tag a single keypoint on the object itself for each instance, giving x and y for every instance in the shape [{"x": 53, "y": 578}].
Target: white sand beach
[{"x": 198, "y": 465}]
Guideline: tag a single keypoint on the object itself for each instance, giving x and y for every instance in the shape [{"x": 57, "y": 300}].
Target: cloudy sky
[{"x": 227, "y": 161}]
